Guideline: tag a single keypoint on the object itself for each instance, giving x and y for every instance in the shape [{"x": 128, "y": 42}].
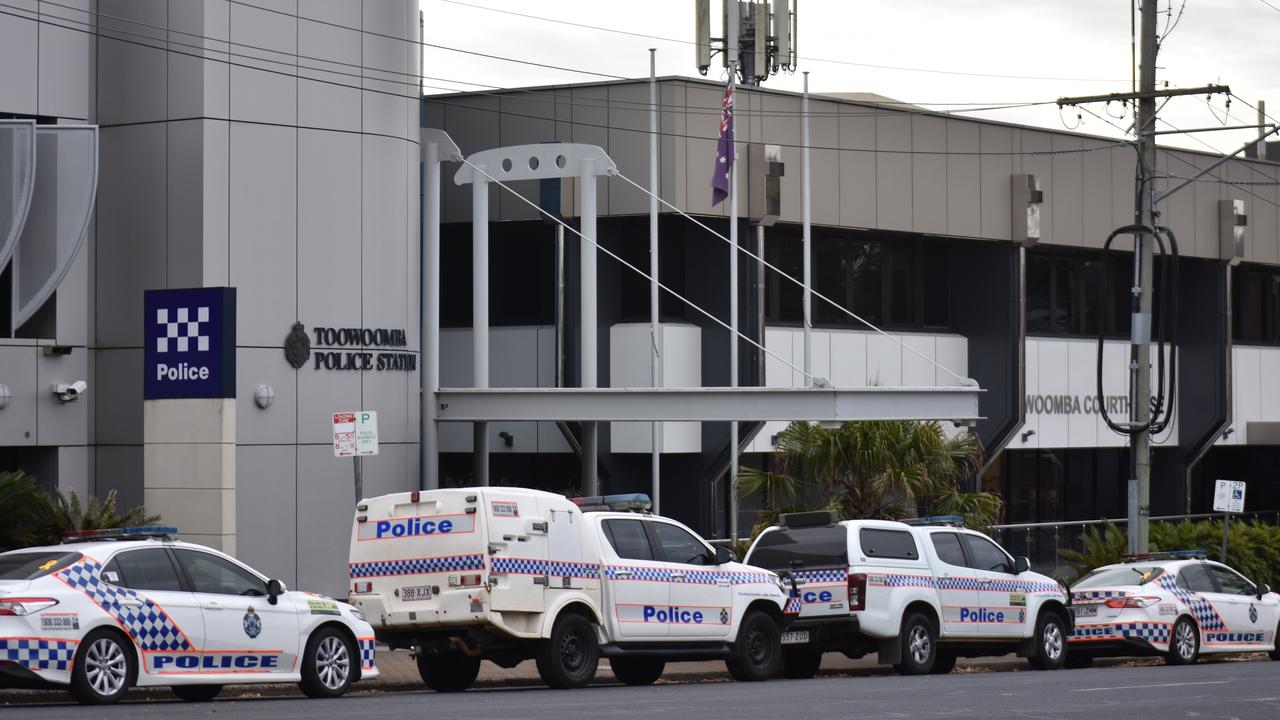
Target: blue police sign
[{"x": 189, "y": 343}]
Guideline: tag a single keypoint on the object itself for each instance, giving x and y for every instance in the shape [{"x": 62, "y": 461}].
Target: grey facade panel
[
  {"x": 184, "y": 254},
  {"x": 277, "y": 424},
  {"x": 1067, "y": 182},
  {"x": 118, "y": 397},
  {"x": 893, "y": 173},
  {"x": 18, "y": 420},
  {"x": 964, "y": 187},
  {"x": 996, "y": 143},
  {"x": 825, "y": 186},
  {"x": 64, "y": 87},
  {"x": 1098, "y": 196},
  {"x": 929, "y": 174},
  {"x": 18, "y": 54},
  {"x": 329, "y": 228},
  {"x": 119, "y": 468},
  {"x": 267, "y": 517},
  {"x": 1040, "y": 165}
]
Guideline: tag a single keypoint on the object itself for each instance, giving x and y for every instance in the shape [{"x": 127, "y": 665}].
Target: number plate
[
  {"x": 1085, "y": 610},
  {"x": 415, "y": 592},
  {"x": 795, "y": 637}
]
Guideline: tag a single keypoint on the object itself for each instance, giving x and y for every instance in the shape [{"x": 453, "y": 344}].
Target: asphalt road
[{"x": 1210, "y": 690}]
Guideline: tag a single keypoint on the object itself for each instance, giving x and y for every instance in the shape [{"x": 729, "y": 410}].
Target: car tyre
[
  {"x": 637, "y": 670},
  {"x": 1051, "y": 642},
  {"x": 450, "y": 672},
  {"x": 104, "y": 668},
  {"x": 800, "y": 664},
  {"x": 919, "y": 642},
  {"x": 943, "y": 663},
  {"x": 570, "y": 657},
  {"x": 328, "y": 664},
  {"x": 1184, "y": 643},
  {"x": 196, "y": 693},
  {"x": 757, "y": 653}
]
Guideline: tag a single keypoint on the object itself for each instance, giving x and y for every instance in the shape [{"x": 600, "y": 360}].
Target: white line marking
[{"x": 1137, "y": 687}]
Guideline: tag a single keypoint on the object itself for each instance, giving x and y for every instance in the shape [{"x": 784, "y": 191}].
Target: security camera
[{"x": 70, "y": 393}]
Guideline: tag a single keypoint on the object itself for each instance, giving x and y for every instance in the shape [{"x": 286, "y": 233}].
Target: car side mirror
[
  {"x": 1263, "y": 589},
  {"x": 723, "y": 555},
  {"x": 1021, "y": 565},
  {"x": 275, "y": 589}
]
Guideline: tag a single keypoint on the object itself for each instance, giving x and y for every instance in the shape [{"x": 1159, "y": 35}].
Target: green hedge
[{"x": 1253, "y": 547}]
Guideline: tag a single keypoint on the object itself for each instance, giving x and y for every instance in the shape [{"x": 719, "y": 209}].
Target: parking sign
[
  {"x": 1228, "y": 496},
  {"x": 344, "y": 434}
]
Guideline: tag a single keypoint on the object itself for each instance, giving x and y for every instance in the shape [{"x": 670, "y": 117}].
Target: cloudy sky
[{"x": 945, "y": 54}]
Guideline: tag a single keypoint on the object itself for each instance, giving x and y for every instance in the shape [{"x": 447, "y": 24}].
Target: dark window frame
[
  {"x": 644, "y": 532},
  {"x": 184, "y": 584},
  {"x": 651, "y": 527},
  {"x": 864, "y": 545}
]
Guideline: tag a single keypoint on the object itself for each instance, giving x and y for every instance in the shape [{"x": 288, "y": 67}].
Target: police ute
[
  {"x": 920, "y": 594},
  {"x": 509, "y": 574},
  {"x": 1172, "y": 604},
  {"x": 112, "y": 609}
]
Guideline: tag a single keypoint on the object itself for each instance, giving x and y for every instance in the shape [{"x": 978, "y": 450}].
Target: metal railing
[{"x": 1042, "y": 541}]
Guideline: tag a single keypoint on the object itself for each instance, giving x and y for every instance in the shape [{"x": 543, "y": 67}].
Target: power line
[
  {"x": 1268, "y": 4},
  {"x": 901, "y": 68}
]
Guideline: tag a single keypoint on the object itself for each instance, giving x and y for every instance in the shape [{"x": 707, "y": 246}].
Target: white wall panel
[
  {"x": 266, "y": 510},
  {"x": 274, "y": 425},
  {"x": 18, "y": 371}
]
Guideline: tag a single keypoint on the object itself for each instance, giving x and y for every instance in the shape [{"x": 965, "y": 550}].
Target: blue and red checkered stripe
[
  {"x": 822, "y": 577},
  {"x": 1092, "y": 595},
  {"x": 1152, "y": 632},
  {"x": 693, "y": 577},
  {"x": 39, "y": 653},
  {"x": 366, "y": 652},
  {"x": 415, "y": 566},
  {"x": 533, "y": 566},
  {"x": 1205, "y": 613},
  {"x": 145, "y": 621}
]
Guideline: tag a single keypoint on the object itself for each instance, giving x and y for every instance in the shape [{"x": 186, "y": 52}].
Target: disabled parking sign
[{"x": 1228, "y": 496}]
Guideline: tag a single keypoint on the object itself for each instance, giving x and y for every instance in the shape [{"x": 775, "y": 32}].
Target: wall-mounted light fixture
[
  {"x": 264, "y": 395},
  {"x": 1227, "y": 433},
  {"x": 507, "y": 439},
  {"x": 1026, "y": 434}
]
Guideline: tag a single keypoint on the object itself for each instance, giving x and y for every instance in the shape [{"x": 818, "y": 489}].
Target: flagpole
[
  {"x": 733, "y": 302},
  {"x": 808, "y": 245},
  {"x": 655, "y": 459}
]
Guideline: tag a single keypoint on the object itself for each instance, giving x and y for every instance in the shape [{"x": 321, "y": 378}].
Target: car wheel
[
  {"x": 327, "y": 667},
  {"x": 919, "y": 645},
  {"x": 1051, "y": 642},
  {"x": 943, "y": 663},
  {"x": 103, "y": 669},
  {"x": 637, "y": 671},
  {"x": 196, "y": 693},
  {"x": 800, "y": 664},
  {"x": 570, "y": 657},
  {"x": 1184, "y": 644},
  {"x": 757, "y": 653},
  {"x": 450, "y": 672}
]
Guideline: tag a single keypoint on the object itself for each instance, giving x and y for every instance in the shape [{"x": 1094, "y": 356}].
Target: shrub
[{"x": 1253, "y": 547}]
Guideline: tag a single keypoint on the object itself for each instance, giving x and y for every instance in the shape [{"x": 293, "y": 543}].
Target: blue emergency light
[
  {"x": 634, "y": 502},
  {"x": 137, "y": 532}
]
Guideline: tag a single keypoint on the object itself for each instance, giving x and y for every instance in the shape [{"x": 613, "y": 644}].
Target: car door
[
  {"x": 143, "y": 591},
  {"x": 1002, "y": 605},
  {"x": 701, "y": 604},
  {"x": 245, "y": 632},
  {"x": 957, "y": 589},
  {"x": 636, "y": 585},
  {"x": 1237, "y": 601},
  {"x": 1197, "y": 593}
]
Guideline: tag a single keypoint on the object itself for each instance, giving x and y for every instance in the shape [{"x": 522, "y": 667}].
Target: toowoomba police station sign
[{"x": 372, "y": 349}]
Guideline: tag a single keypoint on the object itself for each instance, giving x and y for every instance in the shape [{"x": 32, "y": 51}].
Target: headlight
[
  {"x": 25, "y": 605},
  {"x": 783, "y": 585},
  {"x": 355, "y": 612}
]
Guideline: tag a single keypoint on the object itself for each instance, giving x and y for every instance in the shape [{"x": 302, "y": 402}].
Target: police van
[
  {"x": 509, "y": 574},
  {"x": 920, "y": 595}
]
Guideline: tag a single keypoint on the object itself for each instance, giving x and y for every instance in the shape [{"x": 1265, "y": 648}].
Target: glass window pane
[
  {"x": 789, "y": 549},
  {"x": 212, "y": 574},
  {"x": 32, "y": 565},
  {"x": 679, "y": 546},
  {"x": 947, "y": 547},
  {"x": 628, "y": 539},
  {"x": 1229, "y": 582},
  {"x": 1037, "y": 292},
  {"x": 888, "y": 544},
  {"x": 1195, "y": 579},
  {"x": 147, "y": 569},
  {"x": 985, "y": 555}
]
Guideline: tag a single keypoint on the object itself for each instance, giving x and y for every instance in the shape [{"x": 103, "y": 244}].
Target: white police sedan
[
  {"x": 1174, "y": 604},
  {"x": 112, "y": 609}
]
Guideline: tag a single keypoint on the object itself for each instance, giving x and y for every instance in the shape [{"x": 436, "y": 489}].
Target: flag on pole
[{"x": 724, "y": 149}]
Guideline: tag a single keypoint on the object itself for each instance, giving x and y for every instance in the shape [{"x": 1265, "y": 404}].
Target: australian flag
[{"x": 724, "y": 149}]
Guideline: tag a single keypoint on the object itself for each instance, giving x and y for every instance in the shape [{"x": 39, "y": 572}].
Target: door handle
[
  {"x": 622, "y": 573},
  {"x": 677, "y": 575},
  {"x": 211, "y": 606},
  {"x": 128, "y": 602},
  {"x": 984, "y": 581},
  {"x": 722, "y": 582}
]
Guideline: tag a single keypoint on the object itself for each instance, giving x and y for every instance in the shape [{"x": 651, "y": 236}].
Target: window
[
  {"x": 888, "y": 544},
  {"x": 1195, "y": 579},
  {"x": 628, "y": 539},
  {"x": 947, "y": 546},
  {"x": 212, "y": 574},
  {"x": 1128, "y": 575},
  {"x": 679, "y": 546},
  {"x": 986, "y": 555},
  {"x": 1255, "y": 301},
  {"x": 29, "y": 566},
  {"x": 789, "y": 549},
  {"x": 1230, "y": 582},
  {"x": 1065, "y": 293},
  {"x": 147, "y": 569}
]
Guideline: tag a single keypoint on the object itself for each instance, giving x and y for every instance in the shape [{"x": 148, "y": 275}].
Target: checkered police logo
[
  {"x": 252, "y": 624},
  {"x": 184, "y": 331}
]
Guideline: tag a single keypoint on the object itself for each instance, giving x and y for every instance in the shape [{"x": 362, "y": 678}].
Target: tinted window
[
  {"x": 986, "y": 555},
  {"x": 888, "y": 544},
  {"x": 947, "y": 546},
  {"x": 31, "y": 565},
  {"x": 1195, "y": 579},
  {"x": 788, "y": 549},
  {"x": 1119, "y": 576},
  {"x": 679, "y": 546},
  {"x": 148, "y": 569},
  {"x": 1229, "y": 582},
  {"x": 212, "y": 574},
  {"x": 628, "y": 539}
]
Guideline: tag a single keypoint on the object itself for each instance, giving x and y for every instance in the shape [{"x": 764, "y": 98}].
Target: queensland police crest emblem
[
  {"x": 252, "y": 623},
  {"x": 297, "y": 346},
  {"x": 724, "y": 616},
  {"x": 1253, "y": 614}
]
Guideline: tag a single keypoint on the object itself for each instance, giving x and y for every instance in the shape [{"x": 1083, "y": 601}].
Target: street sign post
[
  {"x": 1228, "y": 497},
  {"x": 355, "y": 435}
]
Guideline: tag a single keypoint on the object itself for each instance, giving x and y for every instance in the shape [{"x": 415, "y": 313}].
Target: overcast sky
[{"x": 1058, "y": 48}]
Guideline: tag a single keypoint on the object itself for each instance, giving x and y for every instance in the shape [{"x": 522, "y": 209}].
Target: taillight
[
  {"x": 857, "y": 591},
  {"x": 362, "y": 587},
  {"x": 468, "y": 580},
  {"x": 1132, "y": 602},
  {"x": 25, "y": 605}
]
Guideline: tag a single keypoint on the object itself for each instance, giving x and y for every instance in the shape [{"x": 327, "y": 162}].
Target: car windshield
[
  {"x": 1118, "y": 576},
  {"x": 31, "y": 565}
]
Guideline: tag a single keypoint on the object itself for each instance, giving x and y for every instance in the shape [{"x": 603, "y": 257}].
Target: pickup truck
[{"x": 509, "y": 574}]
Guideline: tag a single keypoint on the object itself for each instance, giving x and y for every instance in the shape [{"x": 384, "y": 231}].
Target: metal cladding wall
[{"x": 296, "y": 186}]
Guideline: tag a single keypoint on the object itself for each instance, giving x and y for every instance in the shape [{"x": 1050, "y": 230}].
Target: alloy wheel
[
  {"x": 106, "y": 666},
  {"x": 333, "y": 662}
]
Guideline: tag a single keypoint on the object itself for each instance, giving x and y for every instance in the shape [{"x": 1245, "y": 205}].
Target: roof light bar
[
  {"x": 126, "y": 533},
  {"x": 634, "y": 502},
  {"x": 1166, "y": 555},
  {"x": 948, "y": 520}
]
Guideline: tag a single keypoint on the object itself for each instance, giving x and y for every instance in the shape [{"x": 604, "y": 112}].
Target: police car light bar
[
  {"x": 634, "y": 502},
  {"x": 1165, "y": 555},
  {"x": 127, "y": 533},
  {"x": 949, "y": 520}
]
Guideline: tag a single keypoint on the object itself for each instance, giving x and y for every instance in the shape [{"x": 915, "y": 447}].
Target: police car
[
  {"x": 1174, "y": 604},
  {"x": 112, "y": 609}
]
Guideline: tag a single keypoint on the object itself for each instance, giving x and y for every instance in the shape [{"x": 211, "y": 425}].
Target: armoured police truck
[{"x": 508, "y": 574}]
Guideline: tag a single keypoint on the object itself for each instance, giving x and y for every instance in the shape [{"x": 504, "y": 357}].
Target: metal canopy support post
[
  {"x": 589, "y": 328},
  {"x": 435, "y": 144},
  {"x": 655, "y": 456},
  {"x": 480, "y": 318}
]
